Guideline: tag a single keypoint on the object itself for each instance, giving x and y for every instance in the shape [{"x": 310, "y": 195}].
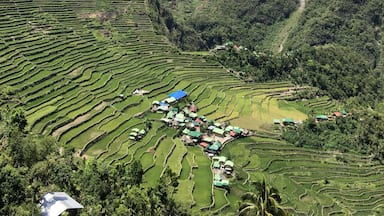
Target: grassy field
[{"x": 70, "y": 68}]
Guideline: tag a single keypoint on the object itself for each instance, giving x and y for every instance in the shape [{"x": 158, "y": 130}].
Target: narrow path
[{"x": 292, "y": 21}]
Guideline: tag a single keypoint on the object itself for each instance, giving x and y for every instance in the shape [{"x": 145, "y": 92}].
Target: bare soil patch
[
  {"x": 151, "y": 150},
  {"x": 75, "y": 122},
  {"x": 75, "y": 72},
  {"x": 91, "y": 15},
  {"x": 100, "y": 106}
]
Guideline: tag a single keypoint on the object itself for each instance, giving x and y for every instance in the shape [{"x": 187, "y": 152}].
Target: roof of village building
[{"x": 55, "y": 203}]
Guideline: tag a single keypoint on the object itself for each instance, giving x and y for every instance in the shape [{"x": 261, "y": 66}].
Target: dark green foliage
[
  {"x": 183, "y": 36},
  {"x": 353, "y": 24},
  {"x": 262, "y": 200},
  {"x": 18, "y": 119},
  {"x": 211, "y": 23},
  {"x": 12, "y": 187},
  {"x": 24, "y": 149},
  {"x": 362, "y": 132},
  {"x": 258, "y": 67},
  {"x": 31, "y": 166},
  {"x": 339, "y": 71}
]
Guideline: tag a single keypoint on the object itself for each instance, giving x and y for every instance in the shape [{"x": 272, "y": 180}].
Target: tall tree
[{"x": 264, "y": 202}]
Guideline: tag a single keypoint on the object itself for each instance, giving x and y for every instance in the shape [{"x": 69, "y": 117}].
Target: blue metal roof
[{"x": 178, "y": 94}]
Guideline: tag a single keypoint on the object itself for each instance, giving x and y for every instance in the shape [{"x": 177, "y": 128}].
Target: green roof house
[
  {"x": 321, "y": 118},
  {"x": 180, "y": 117},
  {"x": 223, "y": 183},
  {"x": 216, "y": 165},
  {"x": 229, "y": 128},
  {"x": 218, "y": 131},
  {"x": 288, "y": 121},
  {"x": 215, "y": 146},
  {"x": 238, "y": 131},
  {"x": 195, "y": 134},
  {"x": 192, "y": 115}
]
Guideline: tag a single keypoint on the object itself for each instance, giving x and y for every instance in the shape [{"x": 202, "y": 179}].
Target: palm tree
[{"x": 265, "y": 202}]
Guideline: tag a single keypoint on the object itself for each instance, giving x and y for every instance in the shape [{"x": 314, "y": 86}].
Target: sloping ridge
[{"x": 284, "y": 32}]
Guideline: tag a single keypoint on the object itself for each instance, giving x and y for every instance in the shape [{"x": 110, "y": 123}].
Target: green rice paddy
[{"x": 69, "y": 70}]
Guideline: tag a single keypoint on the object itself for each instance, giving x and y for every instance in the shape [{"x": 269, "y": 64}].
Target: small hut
[
  {"x": 322, "y": 118},
  {"x": 204, "y": 144},
  {"x": 228, "y": 165},
  {"x": 55, "y": 203},
  {"x": 216, "y": 165},
  {"x": 288, "y": 121},
  {"x": 218, "y": 131},
  {"x": 221, "y": 184}
]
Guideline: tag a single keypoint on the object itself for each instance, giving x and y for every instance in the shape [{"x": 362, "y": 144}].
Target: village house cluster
[{"x": 199, "y": 131}]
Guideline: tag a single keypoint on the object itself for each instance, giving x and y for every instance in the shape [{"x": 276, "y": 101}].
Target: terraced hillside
[
  {"x": 313, "y": 182},
  {"x": 69, "y": 61},
  {"x": 74, "y": 65}
]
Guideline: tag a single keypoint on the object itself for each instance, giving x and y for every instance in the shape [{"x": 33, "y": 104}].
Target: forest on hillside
[{"x": 200, "y": 25}]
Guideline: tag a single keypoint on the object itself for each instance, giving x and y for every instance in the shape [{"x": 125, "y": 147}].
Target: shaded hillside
[
  {"x": 353, "y": 24},
  {"x": 196, "y": 25}
]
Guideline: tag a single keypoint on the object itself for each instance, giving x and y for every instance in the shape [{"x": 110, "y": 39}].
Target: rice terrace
[{"x": 97, "y": 77}]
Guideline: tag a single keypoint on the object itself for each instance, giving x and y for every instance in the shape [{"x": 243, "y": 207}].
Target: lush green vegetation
[
  {"x": 264, "y": 200},
  {"x": 337, "y": 71},
  {"x": 355, "y": 25},
  {"x": 67, "y": 62},
  {"x": 67, "y": 70},
  {"x": 335, "y": 46},
  {"x": 196, "y": 25},
  {"x": 31, "y": 165},
  {"x": 361, "y": 132}
]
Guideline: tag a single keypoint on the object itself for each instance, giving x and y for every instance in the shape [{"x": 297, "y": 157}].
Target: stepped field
[
  {"x": 68, "y": 62},
  {"x": 312, "y": 182}
]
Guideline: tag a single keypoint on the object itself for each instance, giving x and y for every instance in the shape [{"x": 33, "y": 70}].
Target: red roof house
[
  {"x": 233, "y": 133},
  {"x": 337, "y": 114},
  {"x": 204, "y": 144}
]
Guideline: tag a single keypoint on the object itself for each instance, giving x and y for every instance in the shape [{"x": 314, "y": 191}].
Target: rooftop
[
  {"x": 178, "y": 94},
  {"x": 55, "y": 203}
]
